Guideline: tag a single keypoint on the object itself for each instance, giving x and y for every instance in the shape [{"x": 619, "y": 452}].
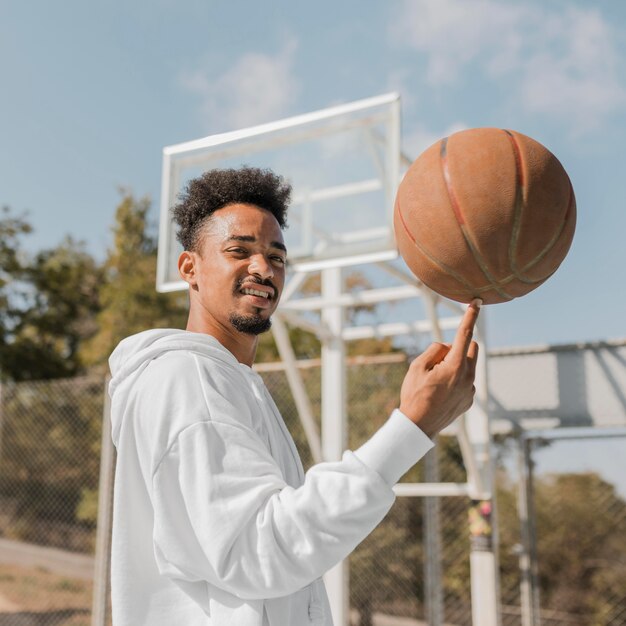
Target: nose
[{"x": 260, "y": 266}]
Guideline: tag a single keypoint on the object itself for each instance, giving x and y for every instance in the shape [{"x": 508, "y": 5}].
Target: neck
[{"x": 241, "y": 345}]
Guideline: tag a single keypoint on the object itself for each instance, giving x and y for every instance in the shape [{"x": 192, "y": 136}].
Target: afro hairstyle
[{"x": 218, "y": 188}]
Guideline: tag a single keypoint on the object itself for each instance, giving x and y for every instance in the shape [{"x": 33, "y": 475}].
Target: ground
[{"x": 36, "y": 597}]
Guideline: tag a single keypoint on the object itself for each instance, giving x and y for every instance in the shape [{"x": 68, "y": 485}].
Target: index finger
[{"x": 465, "y": 332}]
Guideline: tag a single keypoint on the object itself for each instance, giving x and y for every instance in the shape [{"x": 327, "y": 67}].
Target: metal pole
[
  {"x": 432, "y": 531},
  {"x": 298, "y": 390},
  {"x": 334, "y": 422},
  {"x": 1, "y": 418},
  {"x": 483, "y": 550},
  {"x": 532, "y": 533},
  {"x": 105, "y": 518},
  {"x": 432, "y": 505},
  {"x": 524, "y": 557}
]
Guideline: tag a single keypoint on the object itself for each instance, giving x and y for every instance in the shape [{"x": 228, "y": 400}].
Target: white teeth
[{"x": 254, "y": 292}]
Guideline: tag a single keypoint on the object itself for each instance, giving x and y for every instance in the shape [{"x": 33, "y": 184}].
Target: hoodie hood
[{"x": 134, "y": 353}]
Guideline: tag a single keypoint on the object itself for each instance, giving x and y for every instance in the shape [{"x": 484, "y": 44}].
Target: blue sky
[{"x": 91, "y": 92}]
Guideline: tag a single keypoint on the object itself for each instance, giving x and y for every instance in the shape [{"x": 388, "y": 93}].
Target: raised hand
[{"x": 439, "y": 385}]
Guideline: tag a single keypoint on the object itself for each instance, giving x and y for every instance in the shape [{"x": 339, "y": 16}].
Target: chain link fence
[
  {"x": 50, "y": 443},
  {"x": 50, "y": 438},
  {"x": 575, "y": 494},
  {"x": 387, "y": 570}
]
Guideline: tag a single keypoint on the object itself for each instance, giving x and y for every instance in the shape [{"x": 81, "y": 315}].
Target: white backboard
[{"x": 343, "y": 163}]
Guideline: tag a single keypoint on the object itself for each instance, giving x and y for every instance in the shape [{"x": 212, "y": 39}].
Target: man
[{"x": 215, "y": 522}]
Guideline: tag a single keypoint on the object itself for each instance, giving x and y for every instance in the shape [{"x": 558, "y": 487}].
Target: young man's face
[{"x": 241, "y": 270}]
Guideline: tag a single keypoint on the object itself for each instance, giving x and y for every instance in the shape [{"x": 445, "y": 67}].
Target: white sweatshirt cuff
[{"x": 395, "y": 447}]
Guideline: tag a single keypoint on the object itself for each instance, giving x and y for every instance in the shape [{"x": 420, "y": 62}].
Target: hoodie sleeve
[{"x": 224, "y": 513}]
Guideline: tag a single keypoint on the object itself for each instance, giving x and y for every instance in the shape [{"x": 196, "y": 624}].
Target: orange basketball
[{"x": 485, "y": 213}]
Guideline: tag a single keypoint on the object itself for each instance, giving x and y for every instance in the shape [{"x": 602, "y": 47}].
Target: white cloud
[
  {"x": 452, "y": 33},
  {"x": 580, "y": 83},
  {"x": 559, "y": 63},
  {"x": 257, "y": 88}
]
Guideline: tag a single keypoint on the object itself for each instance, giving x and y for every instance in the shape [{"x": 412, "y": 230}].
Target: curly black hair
[{"x": 218, "y": 188}]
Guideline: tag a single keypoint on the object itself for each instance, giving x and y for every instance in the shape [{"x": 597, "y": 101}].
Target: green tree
[
  {"x": 12, "y": 229},
  {"x": 50, "y": 460},
  {"x": 129, "y": 300},
  {"x": 48, "y": 304},
  {"x": 63, "y": 302},
  {"x": 581, "y": 545},
  {"x": 580, "y": 524}
]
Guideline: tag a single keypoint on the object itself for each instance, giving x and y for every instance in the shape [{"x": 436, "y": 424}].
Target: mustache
[{"x": 253, "y": 279}]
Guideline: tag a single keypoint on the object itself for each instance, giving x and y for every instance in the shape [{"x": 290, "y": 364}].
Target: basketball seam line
[
  {"x": 443, "y": 153},
  {"x": 431, "y": 258},
  {"x": 471, "y": 290},
  {"x": 519, "y": 203},
  {"x": 519, "y": 206}
]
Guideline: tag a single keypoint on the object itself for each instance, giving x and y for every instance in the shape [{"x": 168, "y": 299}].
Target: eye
[
  {"x": 279, "y": 259},
  {"x": 237, "y": 250}
]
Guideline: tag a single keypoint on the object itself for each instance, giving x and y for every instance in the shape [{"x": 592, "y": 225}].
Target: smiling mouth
[
  {"x": 256, "y": 292},
  {"x": 250, "y": 286}
]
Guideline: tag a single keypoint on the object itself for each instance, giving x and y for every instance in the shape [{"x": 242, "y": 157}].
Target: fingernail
[{"x": 477, "y": 302}]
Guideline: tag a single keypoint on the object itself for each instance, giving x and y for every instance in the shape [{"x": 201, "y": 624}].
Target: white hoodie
[{"x": 215, "y": 522}]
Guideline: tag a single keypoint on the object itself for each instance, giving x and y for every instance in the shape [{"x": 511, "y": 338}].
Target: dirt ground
[
  {"x": 6, "y": 606},
  {"x": 36, "y": 596}
]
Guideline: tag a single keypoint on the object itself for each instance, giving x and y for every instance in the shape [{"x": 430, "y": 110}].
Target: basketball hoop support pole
[
  {"x": 334, "y": 427},
  {"x": 484, "y": 550}
]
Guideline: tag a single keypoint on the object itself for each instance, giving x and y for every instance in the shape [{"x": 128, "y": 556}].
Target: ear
[{"x": 187, "y": 267}]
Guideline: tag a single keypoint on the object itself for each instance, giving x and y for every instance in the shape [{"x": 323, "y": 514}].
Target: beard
[{"x": 250, "y": 324}]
